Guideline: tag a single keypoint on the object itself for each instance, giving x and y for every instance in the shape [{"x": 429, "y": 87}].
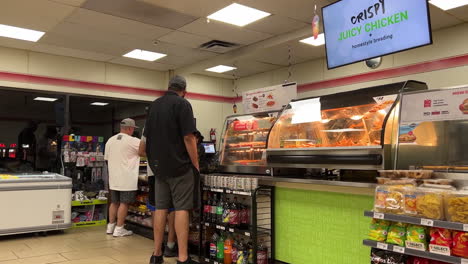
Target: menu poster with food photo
[
  {"x": 269, "y": 98},
  {"x": 441, "y": 105}
]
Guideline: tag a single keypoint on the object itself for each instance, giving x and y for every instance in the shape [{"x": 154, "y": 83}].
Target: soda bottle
[
  {"x": 250, "y": 254},
  {"x": 262, "y": 253},
  {"x": 214, "y": 207},
  {"x": 245, "y": 216},
  {"x": 235, "y": 251},
  {"x": 234, "y": 214},
  {"x": 241, "y": 258},
  {"x": 207, "y": 209},
  {"x": 214, "y": 246},
  {"x": 220, "y": 249},
  {"x": 228, "y": 250},
  {"x": 220, "y": 211},
  {"x": 226, "y": 212}
]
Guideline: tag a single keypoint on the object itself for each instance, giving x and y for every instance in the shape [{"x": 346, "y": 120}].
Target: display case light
[
  {"x": 448, "y": 4},
  {"x": 20, "y": 33},
  {"x": 99, "y": 104},
  {"x": 45, "y": 99},
  {"x": 239, "y": 15}
]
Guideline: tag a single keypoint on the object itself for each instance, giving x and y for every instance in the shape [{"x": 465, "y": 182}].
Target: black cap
[{"x": 178, "y": 83}]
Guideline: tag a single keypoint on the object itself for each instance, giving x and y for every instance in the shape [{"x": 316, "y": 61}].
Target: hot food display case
[
  {"x": 349, "y": 130},
  {"x": 243, "y": 143}
]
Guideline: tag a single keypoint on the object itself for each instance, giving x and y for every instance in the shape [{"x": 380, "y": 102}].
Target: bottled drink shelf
[
  {"x": 413, "y": 252},
  {"x": 417, "y": 221},
  {"x": 227, "y": 191},
  {"x": 229, "y": 229}
]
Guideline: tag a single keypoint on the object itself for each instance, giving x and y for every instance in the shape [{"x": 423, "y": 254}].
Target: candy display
[
  {"x": 397, "y": 234},
  {"x": 378, "y": 230}
]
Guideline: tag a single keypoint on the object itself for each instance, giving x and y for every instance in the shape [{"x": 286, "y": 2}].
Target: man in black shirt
[{"x": 171, "y": 148}]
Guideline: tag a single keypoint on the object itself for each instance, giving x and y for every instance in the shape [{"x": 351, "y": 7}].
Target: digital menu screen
[{"x": 360, "y": 30}]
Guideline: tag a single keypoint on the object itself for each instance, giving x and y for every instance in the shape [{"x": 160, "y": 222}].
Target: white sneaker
[
  {"x": 110, "y": 228},
  {"x": 120, "y": 231}
]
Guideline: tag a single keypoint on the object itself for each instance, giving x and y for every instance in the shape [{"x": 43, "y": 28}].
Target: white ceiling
[{"x": 104, "y": 30}]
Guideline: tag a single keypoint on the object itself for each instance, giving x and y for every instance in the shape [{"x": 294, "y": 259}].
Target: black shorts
[
  {"x": 151, "y": 193},
  {"x": 181, "y": 192},
  {"x": 127, "y": 197}
]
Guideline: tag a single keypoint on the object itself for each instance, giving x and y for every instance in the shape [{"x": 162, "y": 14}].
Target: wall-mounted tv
[{"x": 357, "y": 30}]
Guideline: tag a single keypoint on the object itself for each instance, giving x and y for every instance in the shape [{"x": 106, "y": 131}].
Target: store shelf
[
  {"x": 139, "y": 213},
  {"x": 417, "y": 221},
  {"x": 139, "y": 224},
  {"x": 88, "y": 202},
  {"x": 220, "y": 190},
  {"x": 413, "y": 252},
  {"x": 89, "y": 223},
  {"x": 228, "y": 229}
]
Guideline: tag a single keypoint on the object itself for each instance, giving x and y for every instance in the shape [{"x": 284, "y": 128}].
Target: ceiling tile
[
  {"x": 247, "y": 67},
  {"x": 39, "y": 15},
  {"x": 172, "y": 49},
  {"x": 185, "y": 39},
  {"x": 281, "y": 57},
  {"x": 187, "y": 59},
  {"x": 197, "y": 8},
  {"x": 461, "y": 13},
  {"x": 141, "y": 11},
  {"x": 441, "y": 19},
  {"x": 70, "y": 2},
  {"x": 222, "y": 31},
  {"x": 56, "y": 50},
  {"x": 16, "y": 43},
  {"x": 276, "y": 25},
  {"x": 143, "y": 64},
  {"x": 115, "y": 24}
]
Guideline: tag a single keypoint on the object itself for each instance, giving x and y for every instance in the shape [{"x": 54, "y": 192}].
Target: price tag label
[
  {"x": 247, "y": 234},
  {"x": 465, "y": 227},
  {"x": 427, "y": 222},
  {"x": 399, "y": 249},
  {"x": 382, "y": 246},
  {"x": 379, "y": 215},
  {"x": 207, "y": 224},
  {"x": 216, "y": 262},
  {"x": 231, "y": 230},
  {"x": 207, "y": 260},
  {"x": 416, "y": 245},
  {"x": 441, "y": 250},
  {"x": 228, "y": 191},
  {"x": 222, "y": 227}
]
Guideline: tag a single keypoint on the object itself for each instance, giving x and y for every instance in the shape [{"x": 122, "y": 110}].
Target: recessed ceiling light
[
  {"x": 144, "y": 55},
  {"x": 221, "y": 69},
  {"x": 99, "y": 104},
  {"x": 315, "y": 42},
  {"x": 45, "y": 99},
  {"x": 239, "y": 15},
  {"x": 448, "y": 4},
  {"x": 20, "y": 33}
]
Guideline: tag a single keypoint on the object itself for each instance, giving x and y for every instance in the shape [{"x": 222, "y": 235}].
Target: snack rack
[{"x": 259, "y": 231}]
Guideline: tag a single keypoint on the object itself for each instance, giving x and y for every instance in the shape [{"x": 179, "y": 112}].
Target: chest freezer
[{"x": 34, "y": 203}]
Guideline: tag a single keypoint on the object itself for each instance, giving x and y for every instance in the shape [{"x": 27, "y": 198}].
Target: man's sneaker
[
  {"x": 156, "y": 260},
  {"x": 188, "y": 261},
  {"x": 171, "y": 252},
  {"x": 120, "y": 231},
  {"x": 110, "y": 228}
]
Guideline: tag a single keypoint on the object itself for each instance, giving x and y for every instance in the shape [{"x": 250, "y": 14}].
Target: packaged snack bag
[
  {"x": 395, "y": 258},
  {"x": 378, "y": 230},
  {"x": 416, "y": 237},
  {"x": 460, "y": 244},
  {"x": 397, "y": 234},
  {"x": 377, "y": 256},
  {"x": 441, "y": 241},
  {"x": 457, "y": 207}
]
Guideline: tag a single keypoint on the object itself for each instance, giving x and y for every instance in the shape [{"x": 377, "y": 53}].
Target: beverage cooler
[
  {"x": 34, "y": 202},
  {"x": 243, "y": 143},
  {"x": 356, "y": 130}
]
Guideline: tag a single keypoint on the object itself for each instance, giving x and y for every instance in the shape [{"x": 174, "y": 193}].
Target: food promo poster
[
  {"x": 269, "y": 98},
  {"x": 442, "y": 105}
]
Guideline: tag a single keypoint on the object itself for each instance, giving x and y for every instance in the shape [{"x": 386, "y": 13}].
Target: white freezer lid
[{"x": 32, "y": 177}]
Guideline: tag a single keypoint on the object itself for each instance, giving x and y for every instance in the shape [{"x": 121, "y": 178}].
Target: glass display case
[
  {"x": 345, "y": 130},
  {"x": 244, "y": 141}
]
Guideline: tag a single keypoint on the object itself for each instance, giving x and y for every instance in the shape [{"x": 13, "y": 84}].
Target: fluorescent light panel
[
  {"x": 448, "y": 4},
  {"x": 221, "y": 69},
  {"x": 20, "y": 33},
  {"x": 99, "y": 104},
  {"x": 144, "y": 55},
  {"x": 45, "y": 99},
  {"x": 239, "y": 15},
  {"x": 315, "y": 42}
]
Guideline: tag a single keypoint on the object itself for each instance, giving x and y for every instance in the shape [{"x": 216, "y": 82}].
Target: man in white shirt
[{"x": 123, "y": 161}]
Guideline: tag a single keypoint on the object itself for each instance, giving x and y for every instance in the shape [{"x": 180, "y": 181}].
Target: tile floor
[{"x": 76, "y": 246}]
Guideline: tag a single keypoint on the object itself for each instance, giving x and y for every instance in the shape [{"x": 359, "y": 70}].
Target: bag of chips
[
  {"x": 416, "y": 237},
  {"x": 460, "y": 244},
  {"x": 377, "y": 256},
  {"x": 378, "y": 230},
  {"x": 397, "y": 234},
  {"x": 441, "y": 241}
]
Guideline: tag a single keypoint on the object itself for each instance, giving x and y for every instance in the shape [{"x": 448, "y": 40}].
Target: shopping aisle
[{"x": 76, "y": 246}]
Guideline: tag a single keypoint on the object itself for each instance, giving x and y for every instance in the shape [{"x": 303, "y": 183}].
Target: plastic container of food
[
  {"x": 389, "y": 181},
  {"x": 438, "y": 181},
  {"x": 416, "y": 174},
  {"x": 430, "y": 203},
  {"x": 456, "y": 204},
  {"x": 389, "y": 199},
  {"x": 392, "y": 174}
]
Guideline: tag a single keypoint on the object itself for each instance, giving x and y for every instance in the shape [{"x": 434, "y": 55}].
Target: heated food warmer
[{"x": 355, "y": 130}]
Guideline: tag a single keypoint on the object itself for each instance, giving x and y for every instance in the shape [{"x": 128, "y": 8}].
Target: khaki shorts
[{"x": 181, "y": 192}]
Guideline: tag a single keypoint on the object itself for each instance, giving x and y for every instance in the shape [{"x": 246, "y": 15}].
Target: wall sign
[
  {"x": 441, "y": 105},
  {"x": 360, "y": 30},
  {"x": 269, "y": 98}
]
